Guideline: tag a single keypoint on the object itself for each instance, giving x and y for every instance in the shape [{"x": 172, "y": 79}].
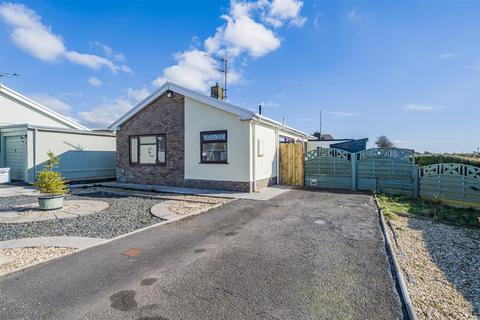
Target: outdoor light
[{"x": 169, "y": 93}]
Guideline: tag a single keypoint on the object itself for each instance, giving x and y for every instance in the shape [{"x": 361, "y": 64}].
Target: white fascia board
[{"x": 37, "y": 106}]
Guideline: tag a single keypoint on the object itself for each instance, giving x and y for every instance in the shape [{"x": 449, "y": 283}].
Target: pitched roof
[
  {"x": 41, "y": 108},
  {"x": 242, "y": 113}
]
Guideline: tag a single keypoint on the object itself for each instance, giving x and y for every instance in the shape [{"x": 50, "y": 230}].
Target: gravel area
[
  {"x": 124, "y": 214},
  {"x": 441, "y": 265},
  {"x": 27, "y": 256}
]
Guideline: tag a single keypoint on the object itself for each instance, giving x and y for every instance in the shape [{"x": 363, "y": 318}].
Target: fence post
[
  {"x": 353, "y": 160},
  {"x": 415, "y": 173}
]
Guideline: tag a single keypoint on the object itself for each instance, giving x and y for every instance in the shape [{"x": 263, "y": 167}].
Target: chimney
[{"x": 216, "y": 92}]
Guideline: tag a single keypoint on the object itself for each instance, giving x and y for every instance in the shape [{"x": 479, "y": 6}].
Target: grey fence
[{"x": 392, "y": 171}]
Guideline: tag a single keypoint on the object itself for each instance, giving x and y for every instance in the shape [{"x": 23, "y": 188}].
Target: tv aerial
[
  {"x": 7, "y": 74},
  {"x": 223, "y": 69}
]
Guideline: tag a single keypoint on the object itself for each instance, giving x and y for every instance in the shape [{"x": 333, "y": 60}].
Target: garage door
[{"x": 15, "y": 155}]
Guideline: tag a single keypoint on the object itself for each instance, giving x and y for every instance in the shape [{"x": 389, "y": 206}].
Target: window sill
[
  {"x": 220, "y": 162},
  {"x": 148, "y": 164}
]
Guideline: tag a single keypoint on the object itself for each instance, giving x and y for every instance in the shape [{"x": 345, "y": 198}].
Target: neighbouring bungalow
[
  {"x": 28, "y": 130},
  {"x": 179, "y": 137}
]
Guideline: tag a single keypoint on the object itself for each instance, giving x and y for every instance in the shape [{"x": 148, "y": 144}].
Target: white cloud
[
  {"x": 285, "y": 10},
  {"x": 338, "y": 114},
  {"x": 447, "y": 55},
  {"x": 30, "y": 34},
  {"x": 33, "y": 37},
  {"x": 95, "y": 62},
  {"x": 51, "y": 102},
  {"x": 423, "y": 107},
  {"x": 110, "y": 110},
  {"x": 245, "y": 33},
  {"x": 95, "y": 82},
  {"x": 353, "y": 14},
  {"x": 193, "y": 70},
  {"x": 269, "y": 104},
  {"x": 108, "y": 51}
]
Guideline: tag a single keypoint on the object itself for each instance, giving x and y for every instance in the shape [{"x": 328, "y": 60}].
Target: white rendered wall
[{"x": 201, "y": 117}]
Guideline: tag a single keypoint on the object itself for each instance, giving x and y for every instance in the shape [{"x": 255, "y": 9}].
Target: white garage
[{"x": 29, "y": 130}]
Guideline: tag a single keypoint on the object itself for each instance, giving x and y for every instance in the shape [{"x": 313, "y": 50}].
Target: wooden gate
[{"x": 291, "y": 164}]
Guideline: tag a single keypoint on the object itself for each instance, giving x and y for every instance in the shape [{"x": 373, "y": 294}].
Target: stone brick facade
[{"x": 164, "y": 115}]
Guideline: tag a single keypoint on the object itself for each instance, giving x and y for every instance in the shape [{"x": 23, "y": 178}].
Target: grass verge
[{"x": 394, "y": 205}]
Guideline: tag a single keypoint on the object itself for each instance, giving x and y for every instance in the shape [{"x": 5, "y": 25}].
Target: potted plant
[{"x": 51, "y": 185}]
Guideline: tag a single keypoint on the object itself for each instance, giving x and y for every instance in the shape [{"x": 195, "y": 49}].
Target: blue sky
[{"x": 407, "y": 69}]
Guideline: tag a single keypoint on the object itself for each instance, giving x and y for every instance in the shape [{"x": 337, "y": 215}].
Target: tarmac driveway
[{"x": 301, "y": 255}]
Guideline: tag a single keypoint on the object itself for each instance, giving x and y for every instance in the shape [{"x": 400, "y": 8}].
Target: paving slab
[
  {"x": 161, "y": 210},
  {"x": 60, "y": 241},
  {"x": 262, "y": 195},
  {"x": 31, "y": 212}
]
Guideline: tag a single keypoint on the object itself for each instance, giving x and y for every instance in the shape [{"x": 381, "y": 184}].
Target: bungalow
[
  {"x": 28, "y": 130},
  {"x": 179, "y": 137}
]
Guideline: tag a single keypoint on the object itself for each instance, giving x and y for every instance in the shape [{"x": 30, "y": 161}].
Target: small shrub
[{"x": 50, "y": 181}]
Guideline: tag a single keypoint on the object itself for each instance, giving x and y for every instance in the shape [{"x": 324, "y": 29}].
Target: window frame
[
  {"x": 202, "y": 133},
  {"x": 138, "y": 163}
]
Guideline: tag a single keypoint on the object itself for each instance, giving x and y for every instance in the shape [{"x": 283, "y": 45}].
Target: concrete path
[
  {"x": 263, "y": 194},
  {"x": 304, "y": 255},
  {"x": 62, "y": 242}
]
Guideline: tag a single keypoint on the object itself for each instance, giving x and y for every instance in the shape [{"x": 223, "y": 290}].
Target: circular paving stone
[{"x": 32, "y": 213}]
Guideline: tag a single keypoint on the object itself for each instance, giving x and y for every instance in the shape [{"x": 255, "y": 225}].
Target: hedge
[{"x": 428, "y": 159}]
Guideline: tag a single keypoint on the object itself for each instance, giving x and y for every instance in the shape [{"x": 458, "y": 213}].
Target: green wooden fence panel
[
  {"x": 328, "y": 168},
  {"x": 451, "y": 183},
  {"x": 386, "y": 170},
  {"x": 392, "y": 171}
]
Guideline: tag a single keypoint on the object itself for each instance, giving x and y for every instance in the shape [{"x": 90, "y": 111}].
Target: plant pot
[{"x": 50, "y": 202}]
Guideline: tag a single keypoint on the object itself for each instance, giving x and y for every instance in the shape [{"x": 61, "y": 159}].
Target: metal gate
[{"x": 15, "y": 156}]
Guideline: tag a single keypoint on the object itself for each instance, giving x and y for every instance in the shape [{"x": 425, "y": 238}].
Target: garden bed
[{"x": 438, "y": 249}]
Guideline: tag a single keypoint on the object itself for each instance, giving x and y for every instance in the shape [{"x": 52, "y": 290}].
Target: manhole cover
[{"x": 132, "y": 252}]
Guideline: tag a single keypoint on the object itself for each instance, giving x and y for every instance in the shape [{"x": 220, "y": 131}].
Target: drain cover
[{"x": 132, "y": 252}]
